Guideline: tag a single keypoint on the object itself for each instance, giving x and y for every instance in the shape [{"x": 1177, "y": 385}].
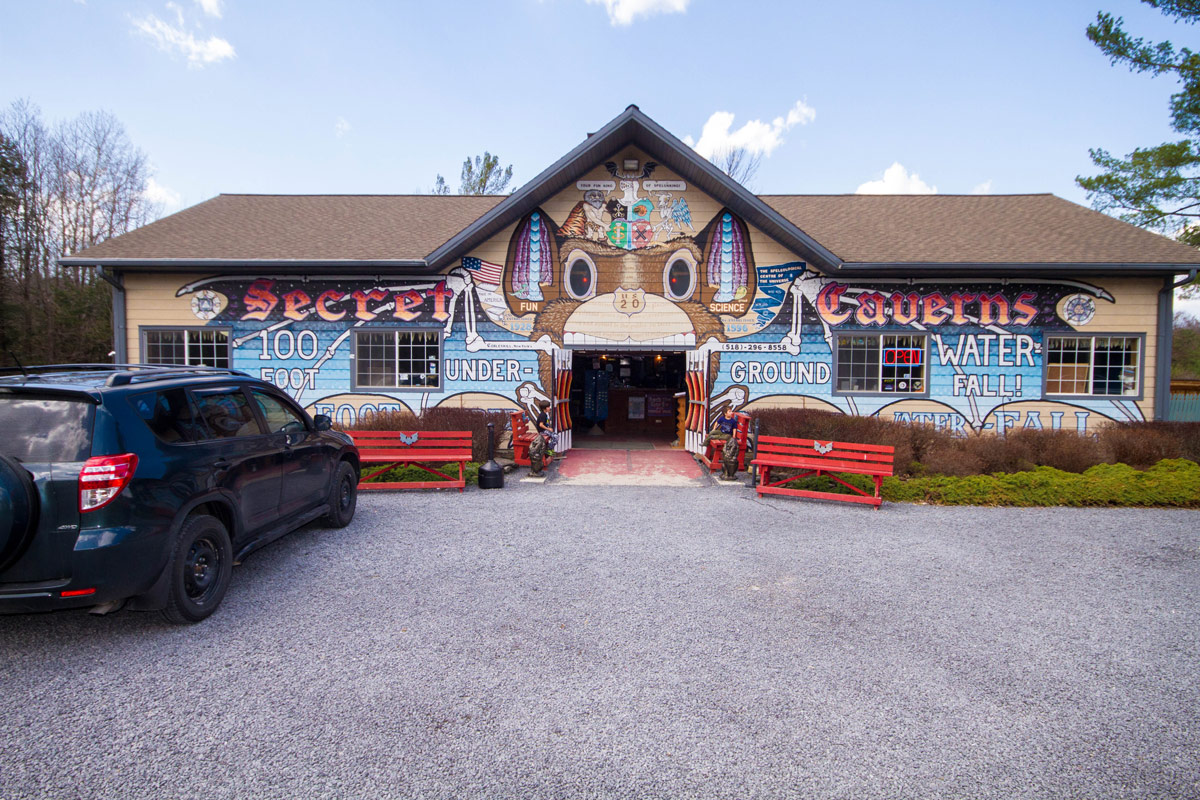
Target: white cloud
[
  {"x": 756, "y": 136},
  {"x": 341, "y": 127},
  {"x": 623, "y": 12},
  {"x": 897, "y": 180},
  {"x": 175, "y": 38},
  {"x": 983, "y": 188},
  {"x": 157, "y": 193},
  {"x": 210, "y": 7}
]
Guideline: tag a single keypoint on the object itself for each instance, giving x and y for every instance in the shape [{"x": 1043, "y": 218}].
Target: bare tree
[
  {"x": 738, "y": 163},
  {"x": 73, "y": 187}
]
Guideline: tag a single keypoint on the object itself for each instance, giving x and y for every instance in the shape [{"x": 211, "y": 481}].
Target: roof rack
[{"x": 124, "y": 374}]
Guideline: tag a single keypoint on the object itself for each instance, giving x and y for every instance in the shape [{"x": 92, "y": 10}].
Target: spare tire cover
[{"x": 18, "y": 509}]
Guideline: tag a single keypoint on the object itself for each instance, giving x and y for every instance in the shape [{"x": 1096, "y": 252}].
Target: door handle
[{"x": 221, "y": 465}]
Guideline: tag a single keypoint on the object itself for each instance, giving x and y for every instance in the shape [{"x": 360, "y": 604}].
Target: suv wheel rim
[
  {"x": 201, "y": 569},
  {"x": 344, "y": 496}
]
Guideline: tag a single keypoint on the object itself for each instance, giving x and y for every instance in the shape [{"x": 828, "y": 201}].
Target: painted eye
[
  {"x": 579, "y": 278},
  {"x": 679, "y": 279}
]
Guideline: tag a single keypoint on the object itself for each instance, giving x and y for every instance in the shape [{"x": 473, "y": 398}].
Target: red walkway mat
[{"x": 630, "y": 467}]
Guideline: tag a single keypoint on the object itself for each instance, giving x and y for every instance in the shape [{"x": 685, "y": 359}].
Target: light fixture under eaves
[{"x": 629, "y": 165}]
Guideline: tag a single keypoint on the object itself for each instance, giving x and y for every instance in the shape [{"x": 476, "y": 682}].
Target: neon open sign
[{"x": 911, "y": 356}]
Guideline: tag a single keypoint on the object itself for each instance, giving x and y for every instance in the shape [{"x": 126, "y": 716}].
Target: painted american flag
[{"x": 484, "y": 271}]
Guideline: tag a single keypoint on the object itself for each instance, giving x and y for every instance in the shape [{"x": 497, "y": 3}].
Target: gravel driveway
[{"x": 559, "y": 641}]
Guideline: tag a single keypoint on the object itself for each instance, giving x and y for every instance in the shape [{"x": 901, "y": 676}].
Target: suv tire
[
  {"x": 343, "y": 496},
  {"x": 18, "y": 510},
  {"x": 200, "y": 570}
]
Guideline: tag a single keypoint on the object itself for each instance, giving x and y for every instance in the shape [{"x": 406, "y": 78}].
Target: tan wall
[{"x": 150, "y": 300}]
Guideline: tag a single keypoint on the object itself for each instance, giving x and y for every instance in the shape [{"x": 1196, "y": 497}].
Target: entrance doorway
[{"x": 627, "y": 399}]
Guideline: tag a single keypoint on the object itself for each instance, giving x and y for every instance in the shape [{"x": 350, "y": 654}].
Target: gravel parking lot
[{"x": 565, "y": 641}]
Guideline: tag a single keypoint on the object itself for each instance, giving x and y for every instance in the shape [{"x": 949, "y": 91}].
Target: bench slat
[
  {"x": 786, "y": 440},
  {"x": 414, "y": 455},
  {"x": 841, "y": 455},
  {"x": 824, "y": 464}
]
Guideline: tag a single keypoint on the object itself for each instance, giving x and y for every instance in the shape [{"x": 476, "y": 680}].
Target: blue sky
[{"x": 380, "y": 97}]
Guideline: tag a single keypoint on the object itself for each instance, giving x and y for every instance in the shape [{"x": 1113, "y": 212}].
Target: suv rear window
[{"x": 45, "y": 429}]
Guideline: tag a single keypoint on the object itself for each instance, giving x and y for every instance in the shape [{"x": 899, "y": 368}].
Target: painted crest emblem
[
  {"x": 206, "y": 304},
  {"x": 1079, "y": 309},
  {"x": 408, "y": 438},
  {"x": 629, "y": 301},
  {"x": 822, "y": 448}
]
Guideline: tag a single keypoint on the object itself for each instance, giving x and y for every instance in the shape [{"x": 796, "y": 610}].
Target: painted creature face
[
  {"x": 628, "y": 285},
  {"x": 594, "y": 198}
]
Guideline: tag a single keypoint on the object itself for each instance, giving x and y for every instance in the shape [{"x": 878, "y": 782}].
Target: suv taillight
[{"x": 103, "y": 478}]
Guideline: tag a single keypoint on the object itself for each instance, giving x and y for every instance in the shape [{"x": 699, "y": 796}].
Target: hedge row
[
  {"x": 922, "y": 450},
  {"x": 1172, "y": 483}
]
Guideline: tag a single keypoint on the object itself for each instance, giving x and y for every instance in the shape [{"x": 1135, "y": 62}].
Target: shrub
[
  {"x": 1144, "y": 443},
  {"x": 921, "y": 450},
  {"x": 1170, "y": 483}
]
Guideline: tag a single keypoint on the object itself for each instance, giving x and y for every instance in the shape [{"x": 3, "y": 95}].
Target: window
[
  {"x": 170, "y": 415},
  {"x": 398, "y": 359},
  {"x": 227, "y": 414},
  {"x": 192, "y": 347},
  {"x": 881, "y": 363},
  {"x": 1093, "y": 365},
  {"x": 279, "y": 416}
]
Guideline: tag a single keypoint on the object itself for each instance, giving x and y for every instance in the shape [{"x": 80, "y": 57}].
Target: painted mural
[{"x": 640, "y": 262}]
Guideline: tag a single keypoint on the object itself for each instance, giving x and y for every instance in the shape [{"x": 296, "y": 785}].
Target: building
[{"x": 632, "y": 270}]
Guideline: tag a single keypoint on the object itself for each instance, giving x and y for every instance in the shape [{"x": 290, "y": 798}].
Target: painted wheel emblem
[
  {"x": 206, "y": 304},
  {"x": 1079, "y": 309}
]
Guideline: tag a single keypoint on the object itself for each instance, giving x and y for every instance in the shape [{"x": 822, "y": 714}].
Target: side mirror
[{"x": 322, "y": 422}]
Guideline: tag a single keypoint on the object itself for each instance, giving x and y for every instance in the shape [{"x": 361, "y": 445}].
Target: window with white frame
[
  {"x": 1097, "y": 366},
  {"x": 881, "y": 363},
  {"x": 398, "y": 359},
  {"x": 191, "y": 347}
]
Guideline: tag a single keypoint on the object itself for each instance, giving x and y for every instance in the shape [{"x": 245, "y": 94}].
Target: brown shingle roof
[
  {"x": 973, "y": 229},
  {"x": 301, "y": 227},
  {"x": 878, "y": 229}
]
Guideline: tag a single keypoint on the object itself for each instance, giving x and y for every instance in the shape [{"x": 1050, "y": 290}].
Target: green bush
[
  {"x": 1169, "y": 483},
  {"x": 408, "y": 473}
]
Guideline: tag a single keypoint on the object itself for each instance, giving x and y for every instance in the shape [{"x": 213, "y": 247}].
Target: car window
[
  {"x": 46, "y": 429},
  {"x": 227, "y": 414},
  {"x": 170, "y": 414},
  {"x": 277, "y": 415}
]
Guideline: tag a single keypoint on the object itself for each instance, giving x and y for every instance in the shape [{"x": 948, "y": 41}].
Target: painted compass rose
[
  {"x": 1079, "y": 309},
  {"x": 206, "y": 304}
]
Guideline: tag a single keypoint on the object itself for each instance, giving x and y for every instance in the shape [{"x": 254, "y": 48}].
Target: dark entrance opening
[{"x": 626, "y": 395}]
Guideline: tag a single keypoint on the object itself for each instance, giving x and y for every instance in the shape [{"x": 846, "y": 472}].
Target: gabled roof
[
  {"x": 837, "y": 234},
  {"x": 632, "y": 127}
]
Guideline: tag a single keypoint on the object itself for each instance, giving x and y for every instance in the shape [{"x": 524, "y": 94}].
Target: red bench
[
  {"x": 419, "y": 448},
  {"x": 714, "y": 450},
  {"x": 521, "y": 439},
  {"x": 815, "y": 458}
]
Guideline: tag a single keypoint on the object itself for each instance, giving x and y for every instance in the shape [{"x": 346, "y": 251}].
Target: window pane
[
  {"x": 170, "y": 415},
  {"x": 227, "y": 415},
  {"x": 398, "y": 359},
  {"x": 191, "y": 348},
  {"x": 277, "y": 415}
]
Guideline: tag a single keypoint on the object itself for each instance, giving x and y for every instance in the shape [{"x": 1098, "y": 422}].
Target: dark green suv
[{"x": 138, "y": 484}]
